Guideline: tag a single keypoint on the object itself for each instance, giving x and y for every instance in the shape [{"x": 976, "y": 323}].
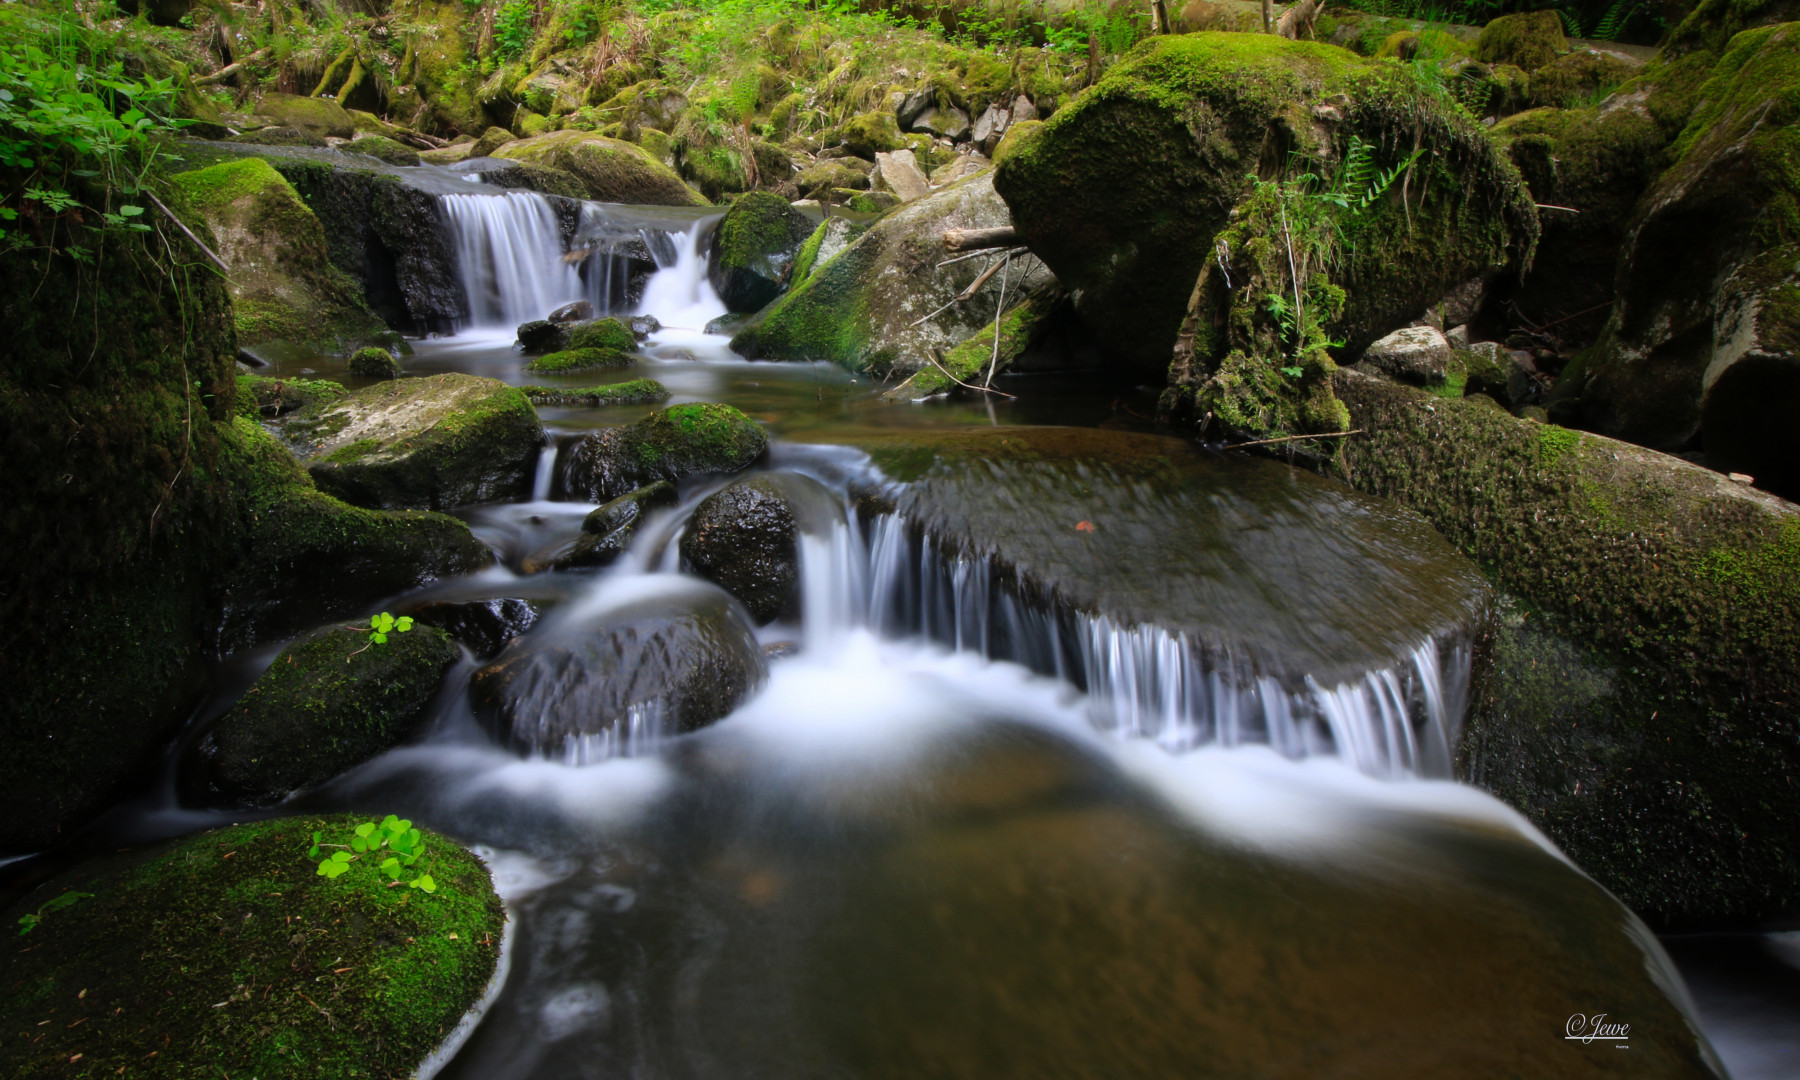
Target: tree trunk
[
  {"x": 1268, "y": 17},
  {"x": 975, "y": 239},
  {"x": 1299, "y": 18}
]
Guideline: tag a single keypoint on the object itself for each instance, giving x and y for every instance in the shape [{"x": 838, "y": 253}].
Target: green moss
[
  {"x": 821, "y": 318},
  {"x": 607, "y": 333},
  {"x": 243, "y": 961},
  {"x": 1583, "y": 77},
  {"x": 871, "y": 133},
  {"x": 970, "y": 361},
  {"x": 374, "y": 363},
  {"x": 221, "y": 185},
  {"x": 1530, "y": 40},
  {"x": 1555, "y": 442},
  {"x": 610, "y": 170},
  {"x": 261, "y": 397},
  {"x": 579, "y": 359},
  {"x": 808, "y": 254},
  {"x": 634, "y": 392},
  {"x": 384, "y": 149},
  {"x": 680, "y": 441}
]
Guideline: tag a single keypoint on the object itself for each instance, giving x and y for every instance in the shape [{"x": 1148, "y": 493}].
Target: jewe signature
[{"x": 1588, "y": 1029}]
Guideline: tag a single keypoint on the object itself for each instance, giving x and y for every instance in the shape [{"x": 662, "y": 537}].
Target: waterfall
[
  {"x": 679, "y": 293},
  {"x": 509, "y": 257}
]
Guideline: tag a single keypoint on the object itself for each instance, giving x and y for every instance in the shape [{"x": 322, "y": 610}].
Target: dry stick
[
  {"x": 969, "y": 386},
  {"x": 1299, "y": 312},
  {"x": 190, "y": 235},
  {"x": 1547, "y": 206},
  {"x": 1291, "y": 438},
  {"x": 230, "y": 69},
  {"x": 974, "y": 287},
  {"x": 994, "y": 360},
  {"x": 982, "y": 254}
]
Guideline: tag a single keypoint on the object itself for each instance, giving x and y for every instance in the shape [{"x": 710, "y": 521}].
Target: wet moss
[
  {"x": 225, "y": 953},
  {"x": 607, "y": 333},
  {"x": 680, "y": 441},
  {"x": 579, "y": 359},
  {"x": 970, "y": 361},
  {"x": 386, "y": 150},
  {"x": 261, "y": 397},
  {"x": 374, "y": 363},
  {"x": 634, "y": 392}
]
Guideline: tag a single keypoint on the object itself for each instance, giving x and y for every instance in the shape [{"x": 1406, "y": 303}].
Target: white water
[
  {"x": 679, "y": 293},
  {"x": 509, "y": 257}
]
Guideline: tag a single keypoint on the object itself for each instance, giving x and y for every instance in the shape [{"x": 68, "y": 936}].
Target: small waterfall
[
  {"x": 679, "y": 293},
  {"x": 544, "y": 479},
  {"x": 509, "y": 257}
]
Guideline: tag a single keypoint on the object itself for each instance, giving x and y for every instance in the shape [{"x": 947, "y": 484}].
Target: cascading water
[{"x": 509, "y": 257}]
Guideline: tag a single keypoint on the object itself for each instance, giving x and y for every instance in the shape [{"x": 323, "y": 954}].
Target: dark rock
[
  {"x": 642, "y": 325},
  {"x": 374, "y": 363},
  {"x": 574, "y": 311},
  {"x": 278, "y": 136},
  {"x": 607, "y": 531},
  {"x": 542, "y": 336},
  {"x": 326, "y": 705},
  {"x": 753, "y": 249},
  {"x": 745, "y": 539},
  {"x": 484, "y": 626},
  {"x": 680, "y": 441},
  {"x": 662, "y": 665}
]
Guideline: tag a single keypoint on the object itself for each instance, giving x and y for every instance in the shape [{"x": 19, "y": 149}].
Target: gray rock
[
  {"x": 899, "y": 173},
  {"x": 948, "y": 122},
  {"x": 913, "y": 105},
  {"x": 1415, "y": 354},
  {"x": 1457, "y": 336},
  {"x": 990, "y": 127},
  {"x": 965, "y": 166},
  {"x": 1023, "y": 110},
  {"x": 745, "y": 539}
]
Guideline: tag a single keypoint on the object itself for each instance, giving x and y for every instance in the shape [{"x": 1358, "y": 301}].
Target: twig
[
  {"x": 230, "y": 69},
  {"x": 1547, "y": 206},
  {"x": 1299, "y": 312},
  {"x": 959, "y": 382},
  {"x": 983, "y": 253},
  {"x": 220, "y": 263},
  {"x": 966, "y": 293},
  {"x": 994, "y": 359},
  {"x": 1291, "y": 438}
]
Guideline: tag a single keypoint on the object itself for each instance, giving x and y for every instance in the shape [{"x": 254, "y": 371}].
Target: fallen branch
[
  {"x": 970, "y": 239},
  {"x": 230, "y": 69},
  {"x": 999, "y": 309},
  {"x": 1300, "y": 16},
  {"x": 190, "y": 235},
  {"x": 977, "y": 255},
  {"x": 974, "y": 287},
  {"x": 1291, "y": 438},
  {"x": 1565, "y": 209},
  {"x": 969, "y": 386}
]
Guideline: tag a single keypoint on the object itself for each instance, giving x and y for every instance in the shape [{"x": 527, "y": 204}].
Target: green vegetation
[
  {"x": 579, "y": 359},
  {"x": 607, "y": 333},
  {"x": 404, "y": 844},
  {"x": 633, "y": 392}
]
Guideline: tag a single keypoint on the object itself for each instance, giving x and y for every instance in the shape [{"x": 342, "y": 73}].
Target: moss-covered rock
[
  {"x": 579, "y": 358},
  {"x": 283, "y": 285},
  {"x": 971, "y": 361},
  {"x": 680, "y": 441},
  {"x": 1125, "y": 191},
  {"x": 607, "y": 531},
  {"x": 825, "y": 175},
  {"x": 315, "y": 116},
  {"x": 1704, "y": 338},
  {"x": 633, "y": 392},
  {"x": 279, "y": 136},
  {"x": 611, "y": 170},
  {"x": 489, "y": 141},
  {"x": 1528, "y": 40},
  {"x": 1582, "y": 77},
  {"x": 862, "y": 307},
  {"x": 264, "y": 398},
  {"x": 384, "y": 149},
  {"x": 374, "y": 363},
  {"x": 607, "y": 333},
  {"x": 1643, "y": 712},
  {"x": 428, "y": 443},
  {"x": 327, "y": 704},
  {"x": 871, "y": 133},
  {"x": 754, "y": 248},
  {"x": 226, "y": 953}
]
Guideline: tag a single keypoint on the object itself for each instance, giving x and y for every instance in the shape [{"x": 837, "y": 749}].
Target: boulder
[
  {"x": 660, "y": 665},
  {"x": 566, "y": 361},
  {"x": 607, "y": 333},
  {"x": 426, "y": 443},
  {"x": 489, "y": 141},
  {"x": 1704, "y": 337},
  {"x": 861, "y": 308},
  {"x": 1415, "y": 354},
  {"x": 966, "y": 165},
  {"x": 374, "y": 363},
  {"x": 1125, "y": 191},
  {"x": 607, "y": 531},
  {"x": 1023, "y": 111},
  {"x": 754, "y": 248},
  {"x": 572, "y": 312},
  {"x": 899, "y": 173},
  {"x": 1652, "y": 647},
  {"x": 947, "y": 122},
  {"x": 745, "y": 539},
  {"x": 320, "y": 117},
  {"x": 283, "y": 285},
  {"x": 683, "y": 440},
  {"x": 188, "y": 982},
  {"x": 484, "y": 627},
  {"x": 326, "y": 705},
  {"x": 828, "y": 174},
  {"x": 990, "y": 127},
  {"x": 1528, "y": 40},
  {"x": 631, "y": 392},
  {"x": 870, "y": 133},
  {"x": 384, "y": 149},
  {"x": 833, "y": 235},
  {"x": 542, "y": 336},
  {"x": 1574, "y": 79},
  {"x": 610, "y": 170}
]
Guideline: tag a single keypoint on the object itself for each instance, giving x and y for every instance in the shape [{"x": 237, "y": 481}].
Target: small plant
[
  {"x": 396, "y": 836},
  {"x": 378, "y": 630},
  {"x": 29, "y": 922},
  {"x": 513, "y": 28}
]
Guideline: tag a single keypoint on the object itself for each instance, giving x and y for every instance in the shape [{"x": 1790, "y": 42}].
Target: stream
[{"x": 1178, "y": 802}]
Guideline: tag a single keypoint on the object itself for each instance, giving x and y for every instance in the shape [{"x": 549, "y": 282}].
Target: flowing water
[{"x": 1084, "y": 752}]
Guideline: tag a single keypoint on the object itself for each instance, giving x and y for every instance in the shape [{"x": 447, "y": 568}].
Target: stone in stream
[
  {"x": 542, "y": 336},
  {"x": 609, "y": 170},
  {"x": 680, "y": 441},
  {"x": 383, "y": 149},
  {"x": 607, "y": 333},
  {"x": 1414, "y": 354},
  {"x": 661, "y": 664},
  {"x": 578, "y": 358},
  {"x": 374, "y": 363},
  {"x": 745, "y": 539},
  {"x": 753, "y": 249},
  {"x": 315, "y": 115},
  {"x": 426, "y": 443},
  {"x": 326, "y": 705},
  {"x": 607, "y": 531},
  {"x": 383, "y": 976},
  {"x": 484, "y": 626},
  {"x": 572, "y": 312}
]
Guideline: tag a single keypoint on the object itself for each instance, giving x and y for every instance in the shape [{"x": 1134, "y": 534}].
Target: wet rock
[
  {"x": 384, "y": 149},
  {"x": 667, "y": 663},
  {"x": 373, "y": 363},
  {"x": 947, "y": 122},
  {"x": 270, "y": 398},
  {"x": 754, "y": 248},
  {"x": 745, "y": 539},
  {"x": 427, "y": 443},
  {"x": 489, "y": 141},
  {"x": 317, "y": 116},
  {"x": 279, "y": 136},
  {"x": 574, "y": 311},
  {"x": 899, "y": 173},
  {"x": 484, "y": 626},
  {"x": 607, "y": 333},
  {"x": 609, "y": 169},
  {"x": 607, "y": 531},
  {"x": 861, "y": 308},
  {"x": 680, "y": 441},
  {"x": 1414, "y": 354},
  {"x": 542, "y": 336},
  {"x": 326, "y": 705},
  {"x": 566, "y": 361},
  {"x": 641, "y": 325}
]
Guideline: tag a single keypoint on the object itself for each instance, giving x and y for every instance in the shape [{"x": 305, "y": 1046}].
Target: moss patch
[
  {"x": 680, "y": 441},
  {"x": 634, "y": 392},
  {"x": 1528, "y": 40},
  {"x": 612, "y": 170},
  {"x": 225, "y": 953},
  {"x": 579, "y": 359},
  {"x": 607, "y": 333}
]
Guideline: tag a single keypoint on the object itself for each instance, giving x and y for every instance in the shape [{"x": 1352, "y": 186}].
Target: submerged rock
[
  {"x": 745, "y": 539},
  {"x": 484, "y": 626},
  {"x": 680, "y": 441},
  {"x": 326, "y": 705},
  {"x": 665, "y": 664},
  {"x": 435, "y": 442},
  {"x": 221, "y": 911},
  {"x": 608, "y": 169},
  {"x": 607, "y": 531},
  {"x": 754, "y": 248}
]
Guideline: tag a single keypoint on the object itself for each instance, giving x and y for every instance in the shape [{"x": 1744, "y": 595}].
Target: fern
[
  {"x": 1612, "y": 24},
  {"x": 1571, "y": 22}
]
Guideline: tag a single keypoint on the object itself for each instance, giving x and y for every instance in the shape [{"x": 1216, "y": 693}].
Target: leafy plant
[
  {"x": 29, "y": 921},
  {"x": 513, "y": 26},
  {"x": 380, "y": 627},
  {"x": 396, "y": 836}
]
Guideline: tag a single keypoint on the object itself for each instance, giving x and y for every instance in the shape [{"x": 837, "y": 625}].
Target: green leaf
[
  {"x": 28, "y": 923},
  {"x": 423, "y": 881},
  {"x": 341, "y": 856},
  {"x": 378, "y": 638},
  {"x": 358, "y": 844},
  {"x": 382, "y": 623},
  {"x": 365, "y": 828},
  {"x": 130, "y": 211},
  {"x": 404, "y": 623}
]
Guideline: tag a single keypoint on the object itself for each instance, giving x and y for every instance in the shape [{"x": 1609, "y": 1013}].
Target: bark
[
  {"x": 973, "y": 239},
  {"x": 1298, "y": 19}
]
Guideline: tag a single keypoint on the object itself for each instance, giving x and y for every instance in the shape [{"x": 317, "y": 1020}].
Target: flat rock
[{"x": 1415, "y": 354}]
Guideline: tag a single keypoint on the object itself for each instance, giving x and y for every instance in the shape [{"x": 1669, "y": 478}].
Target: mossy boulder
[
  {"x": 321, "y": 117},
  {"x": 565, "y": 361},
  {"x": 489, "y": 141},
  {"x": 611, "y": 170},
  {"x": 279, "y": 136},
  {"x": 1125, "y": 190},
  {"x": 825, "y": 175},
  {"x": 862, "y": 307},
  {"x": 1582, "y": 77},
  {"x": 427, "y": 443},
  {"x": 746, "y": 540},
  {"x": 283, "y": 285},
  {"x": 384, "y": 149},
  {"x": 374, "y": 363},
  {"x": 607, "y": 531},
  {"x": 327, "y": 704},
  {"x": 607, "y": 333},
  {"x": 871, "y": 133},
  {"x": 264, "y": 398},
  {"x": 677, "y": 442},
  {"x": 1528, "y": 40},
  {"x": 1704, "y": 338},
  {"x": 753, "y": 250},
  {"x": 1640, "y": 706},
  {"x": 632, "y": 392},
  {"x": 226, "y": 953}
]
